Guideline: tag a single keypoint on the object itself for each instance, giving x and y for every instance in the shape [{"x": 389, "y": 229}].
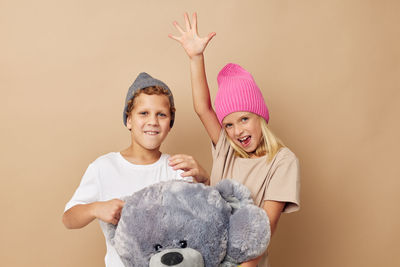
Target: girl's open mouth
[{"x": 245, "y": 141}]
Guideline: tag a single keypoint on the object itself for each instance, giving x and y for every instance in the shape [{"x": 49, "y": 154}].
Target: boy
[{"x": 149, "y": 114}]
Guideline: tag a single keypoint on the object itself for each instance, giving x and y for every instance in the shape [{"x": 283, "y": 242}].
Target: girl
[{"x": 244, "y": 149}]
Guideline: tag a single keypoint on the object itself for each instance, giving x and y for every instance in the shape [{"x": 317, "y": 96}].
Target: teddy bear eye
[
  {"x": 183, "y": 243},
  {"x": 157, "y": 247}
]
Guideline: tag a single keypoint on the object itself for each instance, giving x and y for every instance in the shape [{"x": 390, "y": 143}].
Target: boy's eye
[
  {"x": 143, "y": 113},
  {"x": 162, "y": 114}
]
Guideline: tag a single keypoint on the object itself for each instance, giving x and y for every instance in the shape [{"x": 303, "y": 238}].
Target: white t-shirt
[{"x": 112, "y": 176}]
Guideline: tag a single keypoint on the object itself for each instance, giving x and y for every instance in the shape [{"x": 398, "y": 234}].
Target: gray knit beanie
[{"x": 144, "y": 80}]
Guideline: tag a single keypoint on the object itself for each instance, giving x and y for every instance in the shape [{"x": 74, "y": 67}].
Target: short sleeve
[
  {"x": 284, "y": 185},
  {"x": 88, "y": 190},
  {"x": 222, "y": 146}
]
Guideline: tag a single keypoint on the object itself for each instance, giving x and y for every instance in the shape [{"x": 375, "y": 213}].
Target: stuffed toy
[{"x": 176, "y": 223}]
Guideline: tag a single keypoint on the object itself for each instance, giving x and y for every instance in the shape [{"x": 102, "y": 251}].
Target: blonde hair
[{"x": 269, "y": 143}]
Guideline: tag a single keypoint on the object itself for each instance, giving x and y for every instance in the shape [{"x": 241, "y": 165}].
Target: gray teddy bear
[{"x": 183, "y": 224}]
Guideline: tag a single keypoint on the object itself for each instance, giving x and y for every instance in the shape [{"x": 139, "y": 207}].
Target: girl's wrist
[{"x": 197, "y": 57}]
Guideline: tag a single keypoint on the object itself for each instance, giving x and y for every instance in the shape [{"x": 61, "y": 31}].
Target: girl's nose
[{"x": 238, "y": 130}]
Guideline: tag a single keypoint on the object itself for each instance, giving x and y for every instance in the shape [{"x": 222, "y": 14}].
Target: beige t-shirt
[{"x": 277, "y": 180}]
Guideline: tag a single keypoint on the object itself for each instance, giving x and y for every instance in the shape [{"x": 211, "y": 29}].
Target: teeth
[
  {"x": 151, "y": 132},
  {"x": 243, "y": 139}
]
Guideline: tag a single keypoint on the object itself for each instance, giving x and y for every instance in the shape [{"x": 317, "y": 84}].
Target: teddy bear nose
[{"x": 172, "y": 258}]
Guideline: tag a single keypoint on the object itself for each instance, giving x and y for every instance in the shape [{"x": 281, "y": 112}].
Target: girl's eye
[
  {"x": 228, "y": 125},
  {"x": 245, "y": 119}
]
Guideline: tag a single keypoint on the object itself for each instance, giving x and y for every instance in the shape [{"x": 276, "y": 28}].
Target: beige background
[{"x": 330, "y": 73}]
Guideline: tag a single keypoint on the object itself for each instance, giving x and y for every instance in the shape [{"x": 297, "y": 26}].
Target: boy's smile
[{"x": 149, "y": 121}]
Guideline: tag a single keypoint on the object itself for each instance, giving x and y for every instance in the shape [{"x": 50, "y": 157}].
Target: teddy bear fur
[{"x": 176, "y": 223}]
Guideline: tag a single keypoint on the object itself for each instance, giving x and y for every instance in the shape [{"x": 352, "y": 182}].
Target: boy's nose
[{"x": 153, "y": 120}]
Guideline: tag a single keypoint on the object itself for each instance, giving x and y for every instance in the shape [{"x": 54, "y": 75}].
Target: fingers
[
  {"x": 181, "y": 161},
  {"x": 114, "y": 221},
  {"x": 112, "y": 218},
  {"x": 115, "y": 210},
  {"x": 174, "y": 37},
  {"x": 194, "y": 22},
  {"x": 187, "y": 25},
  {"x": 176, "y": 24},
  {"x": 182, "y": 166},
  {"x": 175, "y": 159},
  {"x": 187, "y": 22},
  {"x": 120, "y": 203},
  {"x": 116, "y": 204},
  {"x": 209, "y": 37},
  {"x": 188, "y": 173}
]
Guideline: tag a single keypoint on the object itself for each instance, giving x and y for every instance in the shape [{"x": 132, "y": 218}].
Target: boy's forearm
[
  {"x": 200, "y": 90},
  {"x": 79, "y": 216}
]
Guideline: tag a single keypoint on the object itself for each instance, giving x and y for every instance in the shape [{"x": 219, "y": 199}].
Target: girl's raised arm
[{"x": 194, "y": 47}]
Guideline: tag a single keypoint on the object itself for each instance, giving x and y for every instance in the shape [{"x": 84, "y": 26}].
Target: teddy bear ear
[{"x": 236, "y": 194}]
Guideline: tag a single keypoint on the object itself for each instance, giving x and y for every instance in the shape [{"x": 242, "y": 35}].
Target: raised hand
[
  {"x": 189, "y": 39},
  {"x": 189, "y": 166}
]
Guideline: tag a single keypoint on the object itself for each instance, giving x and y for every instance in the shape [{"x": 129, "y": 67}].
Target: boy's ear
[{"x": 129, "y": 122}]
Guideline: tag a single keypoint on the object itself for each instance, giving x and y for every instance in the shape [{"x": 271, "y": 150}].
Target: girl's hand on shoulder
[
  {"x": 189, "y": 39},
  {"x": 109, "y": 211},
  {"x": 189, "y": 166}
]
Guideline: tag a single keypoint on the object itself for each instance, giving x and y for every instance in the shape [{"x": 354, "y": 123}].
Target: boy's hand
[
  {"x": 189, "y": 39},
  {"x": 189, "y": 166},
  {"x": 109, "y": 211}
]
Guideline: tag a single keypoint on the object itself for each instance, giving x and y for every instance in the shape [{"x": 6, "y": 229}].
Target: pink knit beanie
[{"x": 237, "y": 91}]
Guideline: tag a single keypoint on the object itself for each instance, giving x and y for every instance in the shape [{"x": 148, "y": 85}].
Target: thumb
[{"x": 210, "y": 36}]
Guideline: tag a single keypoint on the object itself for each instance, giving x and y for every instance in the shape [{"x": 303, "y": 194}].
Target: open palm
[{"x": 189, "y": 39}]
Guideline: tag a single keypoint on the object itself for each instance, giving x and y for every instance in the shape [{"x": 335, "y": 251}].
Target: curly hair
[{"x": 151, "y": 90}]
